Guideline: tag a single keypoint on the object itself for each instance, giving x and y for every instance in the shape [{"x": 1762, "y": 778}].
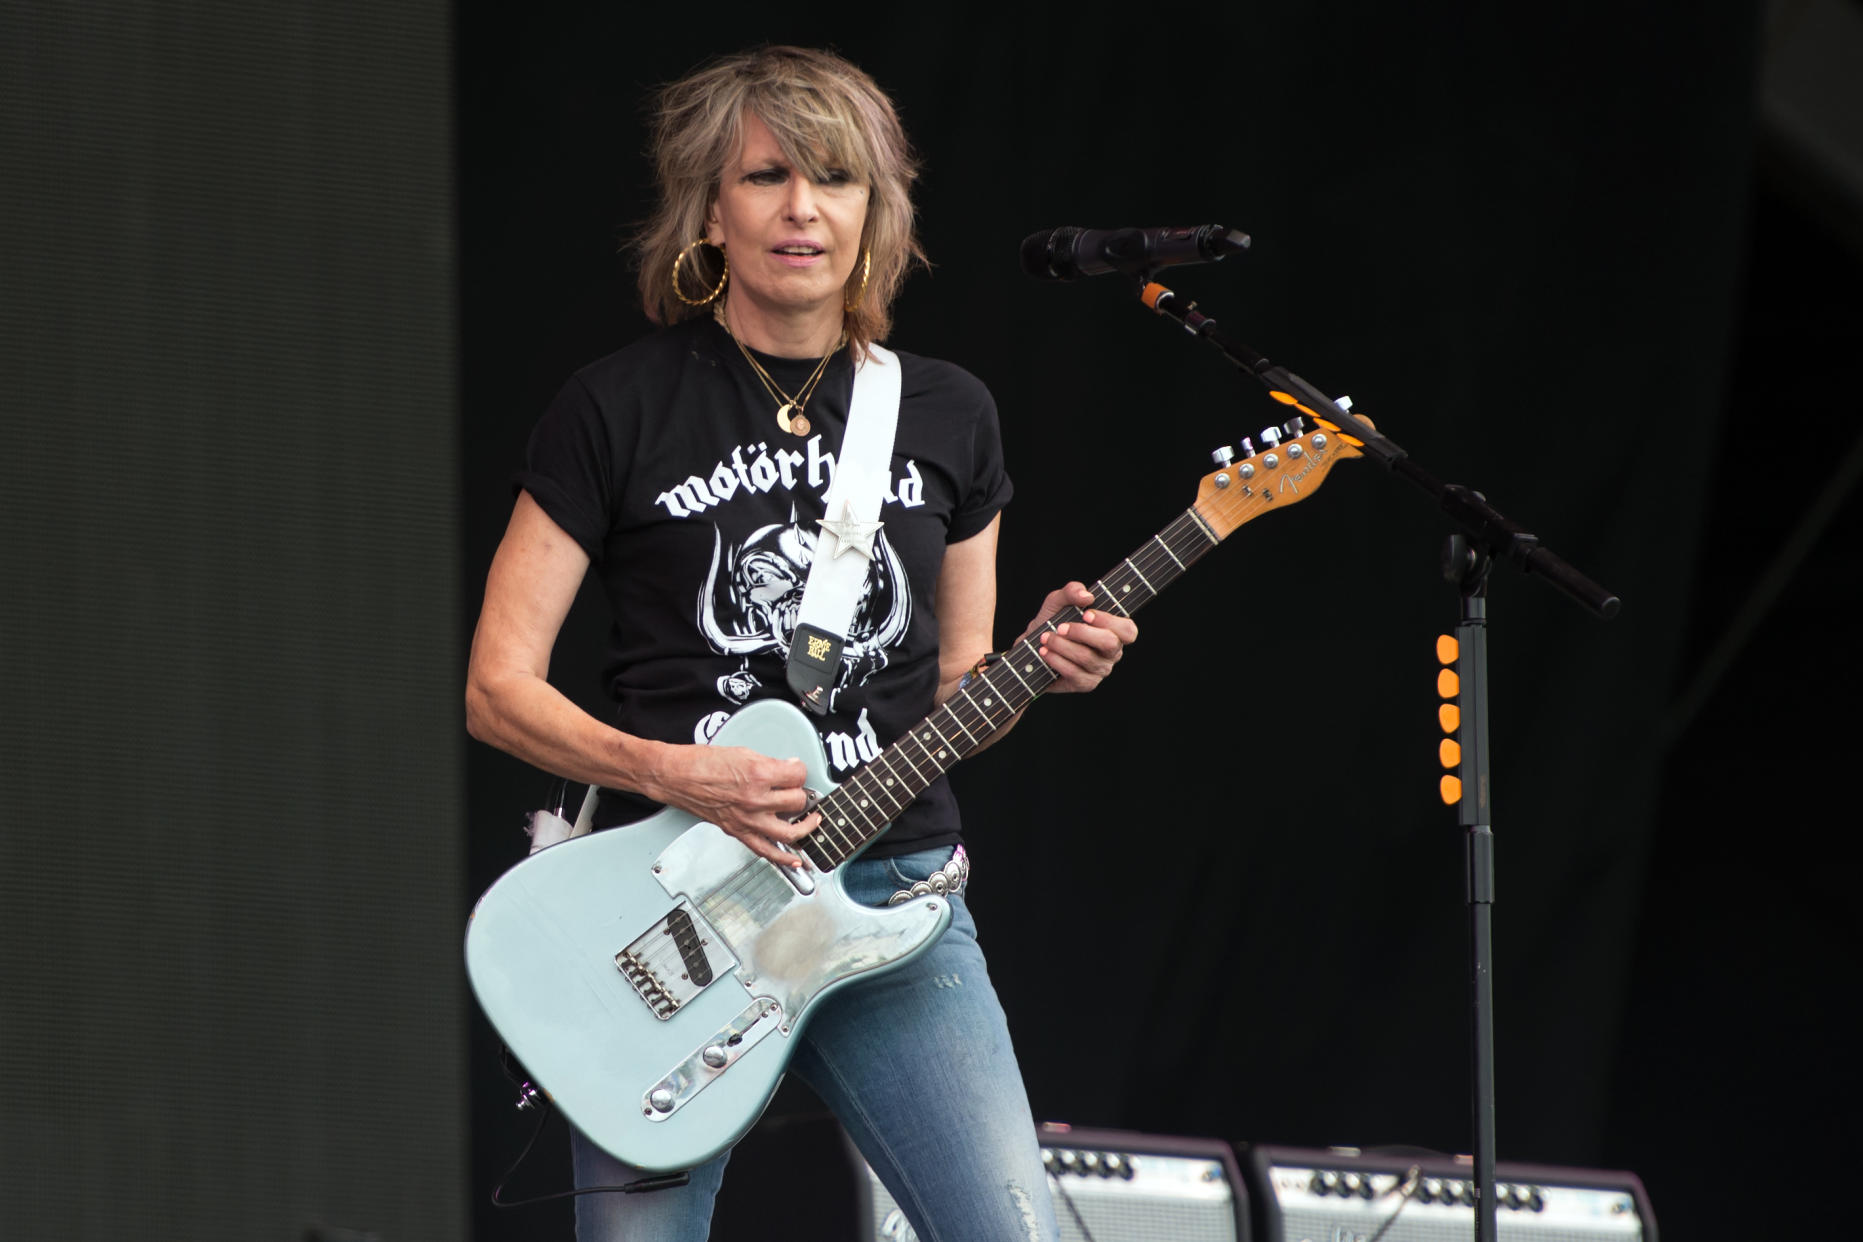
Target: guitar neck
[
  {"x": 859, "y": 810},
  {"x": 1281, "y": 474}
]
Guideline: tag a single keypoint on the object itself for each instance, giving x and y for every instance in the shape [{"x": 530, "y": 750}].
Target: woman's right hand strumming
[{"x": 749, "y": 795}]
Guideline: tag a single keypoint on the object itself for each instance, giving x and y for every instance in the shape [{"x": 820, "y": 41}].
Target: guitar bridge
[{"x": 673, "y": 961}]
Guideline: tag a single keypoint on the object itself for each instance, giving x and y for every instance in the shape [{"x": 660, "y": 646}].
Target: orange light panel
[
  {"x": 1285, "y": 398},
  {"x": 1451, "y": 790},
  {"x": 1447, "y": 649},
  {"x": 1450, "y": 717},
  {"x": 1450, "y": 751},
  {"x": 1448, "y": 685}
]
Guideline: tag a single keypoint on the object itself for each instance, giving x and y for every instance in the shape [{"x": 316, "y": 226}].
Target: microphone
[{"x": 1065, "y": 253}]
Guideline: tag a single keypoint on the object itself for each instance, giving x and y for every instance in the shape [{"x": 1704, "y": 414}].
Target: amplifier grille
[
  {"x": 1126, "y": 1187},
  {"x": 1345, "y": 1196}
]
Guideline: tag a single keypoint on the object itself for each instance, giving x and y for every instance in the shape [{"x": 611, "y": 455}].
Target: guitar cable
[
  {"x": 1404, "y": 1191},
  {"x": 530, "y": 1097},
  {"x": 1060, "y": 1188}
]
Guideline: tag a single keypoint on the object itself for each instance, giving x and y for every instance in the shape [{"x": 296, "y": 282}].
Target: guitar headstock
[{"x": 1289, "y": 466}]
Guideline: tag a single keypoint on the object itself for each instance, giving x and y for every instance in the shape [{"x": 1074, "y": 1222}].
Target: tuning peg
[
  {"x": 1222, "y": 455},
  {"x": 1343, "y": 402},
  {"x": 1293, "y": 426},
  {"x": 1270, "y": 437},
  {"x": 1248, "y": 447}
]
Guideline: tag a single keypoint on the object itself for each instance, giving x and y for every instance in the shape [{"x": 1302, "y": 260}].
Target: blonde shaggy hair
[{"x": 825, "y": 113}]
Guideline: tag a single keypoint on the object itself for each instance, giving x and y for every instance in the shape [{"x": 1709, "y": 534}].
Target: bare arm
[
  {"x": 510, "y": 704},
  {"x": 1081, "y": 653}
]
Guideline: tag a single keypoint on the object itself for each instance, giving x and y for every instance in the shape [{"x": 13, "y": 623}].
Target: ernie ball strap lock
[{"x": 844, "y": 550}]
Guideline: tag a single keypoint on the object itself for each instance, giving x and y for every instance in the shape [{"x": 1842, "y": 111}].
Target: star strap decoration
[{"x": 850, "y": 534}]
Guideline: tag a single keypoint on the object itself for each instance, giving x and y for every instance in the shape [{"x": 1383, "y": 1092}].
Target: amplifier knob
[
  {"x": 1431, "y": 1190},
  {"x": 1114, "y": 1166},
  {"x": 1349, "y": 1184},
  {"x": 1048, "y": 1162},
  {"x": 1089, "y": 1162},
  {"x": 1536, "y": 1199}
]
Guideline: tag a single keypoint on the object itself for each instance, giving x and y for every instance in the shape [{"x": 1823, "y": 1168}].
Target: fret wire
[
  {"x": 1142, "y": 578},
  {"x": 1108, "y": 600},
  {"x": 1193, "y": 536},
  {"x": 1181, "y": 543},
  {"x": 826, "y": 825},
  {"x": 959, "y": 722},
  {"x": 864, "y": 782},
  {"x": 996, "y": 713},
  {"x": 1007, "y": 688},
  {"x": 885, "y": 786},
  {"x": 901, "y": 748},
  {"x": 994, "y": 725},
  {"x": 852, "y": 808},
  {"x": 1196, "y": 517},
  {"x": 924, "y": 726},
  {"x": 1010, "y": 665}
]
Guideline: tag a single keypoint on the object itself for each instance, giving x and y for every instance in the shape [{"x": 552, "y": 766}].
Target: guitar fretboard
[{"x": 860, "y": 809}]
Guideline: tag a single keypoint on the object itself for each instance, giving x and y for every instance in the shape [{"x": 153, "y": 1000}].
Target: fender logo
[{"x": 1291, "y": 482}]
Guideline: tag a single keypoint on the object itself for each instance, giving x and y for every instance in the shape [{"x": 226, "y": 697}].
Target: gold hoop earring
[
  {"x": 716, "y": 289},
  {"x": 866, "y": 270}
]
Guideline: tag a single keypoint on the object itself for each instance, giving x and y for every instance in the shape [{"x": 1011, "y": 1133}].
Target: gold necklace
[{"x": 796, "y": 424}]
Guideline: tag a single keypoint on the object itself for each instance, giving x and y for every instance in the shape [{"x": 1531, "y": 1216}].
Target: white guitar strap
[
  {"x": 850, "y": 531},
  {"x": 838, "y": 575}
]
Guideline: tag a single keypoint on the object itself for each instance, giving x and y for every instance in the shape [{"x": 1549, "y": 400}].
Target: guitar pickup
[{"x": 674, "y": 960}]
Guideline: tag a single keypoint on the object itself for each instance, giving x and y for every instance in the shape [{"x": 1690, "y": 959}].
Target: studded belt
[{"x": 949, "y": 878}]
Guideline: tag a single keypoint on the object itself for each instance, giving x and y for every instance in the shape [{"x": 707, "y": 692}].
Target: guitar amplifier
[
  {"x": 1344, "y": 1195},
  {"x": 1123, "y": 1187}
]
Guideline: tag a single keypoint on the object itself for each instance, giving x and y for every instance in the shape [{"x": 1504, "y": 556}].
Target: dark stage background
[
  {"x": 1220, "y": 896},
  {"x": 262, "y": 393}
]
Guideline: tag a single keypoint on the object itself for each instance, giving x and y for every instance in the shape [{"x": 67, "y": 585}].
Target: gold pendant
[
  {"x": 782, "y": 415},
  {"x": 799, "y": 425}
]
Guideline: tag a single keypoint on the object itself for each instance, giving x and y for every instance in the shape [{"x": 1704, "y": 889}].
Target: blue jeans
[{"x": 917, "y": 1065}]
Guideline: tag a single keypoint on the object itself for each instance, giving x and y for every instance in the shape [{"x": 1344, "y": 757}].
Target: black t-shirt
[{"x": 666, "y": 464}]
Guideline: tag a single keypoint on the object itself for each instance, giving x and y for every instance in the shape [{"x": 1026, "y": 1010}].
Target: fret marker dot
[
  {"x": 989, "y": 702},
  {"x": 863, "y": 802},
  {"x": 1028, "y": 668},
  {"x": 1126, "y": 587},
  {"x": 941, "y": 754},
  {"x": 889, "y": 780}
]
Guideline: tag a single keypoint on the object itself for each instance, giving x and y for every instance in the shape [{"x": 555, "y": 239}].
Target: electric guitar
[{"x": 653, "y": 978}]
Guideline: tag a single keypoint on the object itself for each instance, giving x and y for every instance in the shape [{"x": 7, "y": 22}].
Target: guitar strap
[
  {"x": 838, "y": 574},
  {"x": 850, "y": 531}
]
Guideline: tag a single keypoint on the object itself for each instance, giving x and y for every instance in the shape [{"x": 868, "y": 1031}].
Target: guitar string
[
  {"x": 1157, "y": 554},
  {"x": 1164, "y": 561},
  {"x": 1154, "y": 565}
]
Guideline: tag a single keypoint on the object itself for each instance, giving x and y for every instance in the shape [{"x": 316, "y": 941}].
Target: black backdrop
[{"x": 1220, "y": 896}]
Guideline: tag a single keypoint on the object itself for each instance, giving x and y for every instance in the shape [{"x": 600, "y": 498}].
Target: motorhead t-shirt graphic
[
  {"x": 753, "y": 593},
  {"x": 701, "y": 520}
]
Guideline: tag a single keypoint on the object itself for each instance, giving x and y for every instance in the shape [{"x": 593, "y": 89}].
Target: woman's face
[{"x": 792, "y": 242}]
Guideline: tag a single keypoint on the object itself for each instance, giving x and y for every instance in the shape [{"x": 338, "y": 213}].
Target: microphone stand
[{"x": 1486, "y": 536}]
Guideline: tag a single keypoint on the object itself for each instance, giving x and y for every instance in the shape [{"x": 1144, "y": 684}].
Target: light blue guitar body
[{"x": 653, "y": 978}]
